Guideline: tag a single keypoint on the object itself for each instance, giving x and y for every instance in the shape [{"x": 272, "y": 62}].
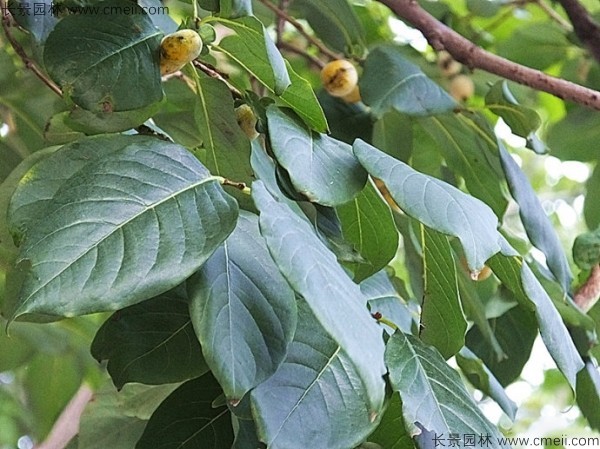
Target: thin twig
[
  {"x": 238, "y": 185},
  {"x": 20, "y": 51},
  {"x": 283, "y": 5},
  {"x": 553, "y": 15},
  {"x": 282, "y": 14},
  {"x": 586, "y": 29},
  {"x": 588, "y": 294},
  {"x": 463, "y": 50},
  {"x": 299, "y": 51},
  {"x": 214, "y": 73}
]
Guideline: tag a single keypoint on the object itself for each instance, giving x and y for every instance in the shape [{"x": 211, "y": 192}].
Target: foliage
[{"x": 300, "y": 289}]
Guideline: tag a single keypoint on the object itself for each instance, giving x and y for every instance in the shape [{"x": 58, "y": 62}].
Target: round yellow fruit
[
  {"x": 462, "y": 87},
  {"x": 447, "y": 64},
  {"x": 354, "y": 96},
  {"x": 339, "y": 77},
  {"x": 177, "y": 49},
  {"x": 247, "y": 120}
]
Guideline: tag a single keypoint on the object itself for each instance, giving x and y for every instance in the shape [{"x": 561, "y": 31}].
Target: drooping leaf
[
  {"x": 482, "y": 378},
  {"x": 321, "y": 168},
  {"x": 152, "y": 343},
  {"x": 389, "y": 81},
  {"x": 318, "y": 383},
  {"x": 301, "y": 97},
  {"x": 92, "y": 57},
  {"x": 337, "y": 302},
  {"x": 187, "y": 419},
  {"x": 536, "y": 223},
  {"x": 243, "y": 311},
  {"x": 433, "y": 395},
  {"x": 121, "y": 229},
  {"x": 588, "y": 392},
  {"x": 226, "y": 148},
  {"x": 436, "y": 204},
  {"x": 470, "y": 149},
  {"x": 335, "y": 22},
  {"x": 368, "y": 224},
  {"x": 443, "y": 322}
]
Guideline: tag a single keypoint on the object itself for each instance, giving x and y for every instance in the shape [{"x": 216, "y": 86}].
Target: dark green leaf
[
  {"x": 159, "y": 14},
  {"x": 346, "y": 121},
  {"x": 391, "y": 432},
  {"x": 90, "y": 123},
  {"x": 243, "y": 311},
  {"x": 586, "y": 249},
  {"x": 57, "y": 132},
  {"x": 335, "y": 23},
  {"x": 482, "y": 378},
  {"x": 393, "y": 134},
  {"x": 152, "y": 216},
  {"x": 591, "y": 211},
  {"x": 367, "y": 223},
  {"x": 433, "y": 395},
  {"x": 443, "y": 322},
  {"x": 471, "y": 151},
  {"x": 318, "y": 383},
  {"x": 389, "y": 81},
  {"x": 337, "y": 302},
  {"x": 233, "y": 9},
  {"x": 93, "y": 56},
  {"x": 436, "y": 204},
  {"x": 536, "y": 223},
  {"x": 321, "y": 168},
  {"x": 588, "y": 392},
  {"x": 245, "y": 435},
  {"x": 187, "y": 419},
  {"x": 152, "y": 343}
]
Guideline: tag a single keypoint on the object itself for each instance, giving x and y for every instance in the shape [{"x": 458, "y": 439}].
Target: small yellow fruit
[
  {"x": 354, "y": 96},
  {"x": 462, "y": 87},
  {"x": 247, "y": 120},
  {"x": 339, "y": 77},
  {"x": 177, "y": 49},
  {"x": 447, "y": 64}
]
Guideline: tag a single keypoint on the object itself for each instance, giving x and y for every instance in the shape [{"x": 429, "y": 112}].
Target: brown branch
[
  {"x": 214, "y": 73},
  {"x": 586, "y": 29},
  {"x": 588, "y": 294},
  {"x": 299, "y": 51},
  {"x": 285, "y": 16},
  {"x": 20, "y": 51},
  {"x": 283, "y": 5},
  {"x": 463, "y": 50}
]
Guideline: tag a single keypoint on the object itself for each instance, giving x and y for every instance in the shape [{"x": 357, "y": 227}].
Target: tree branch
[
  {"x": 588, "y": 294},
  {"x": 586, "y": 29},
  {"x": 463, "y": 50}
]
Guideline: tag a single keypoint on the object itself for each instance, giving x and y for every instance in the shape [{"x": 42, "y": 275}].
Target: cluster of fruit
[{"x": 461, "y": 86}]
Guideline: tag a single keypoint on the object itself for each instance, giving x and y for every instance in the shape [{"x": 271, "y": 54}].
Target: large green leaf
[
  {"x": 391, "y": 432},
  {"x": 588, "y": 393},
  {"x": 443, "y": 322},
  {"x": 367, "y": 223},
  {"x": 516, "y": 275},
  {"x": 436, "y": 204},
  {"x": 335, "y": 22},
  {"x": 470, "y": 149},
  {"x": 537, "y": 225},
  {"x": 591, "y": 211},
  {"x": 570, "y": 138},
  {"x": 93, "y": 57},
  {"x": 321, "y": 168},
  {"x": 433, "y": 395},
  {"x": 152, "y": 343},
  {"x": 122, "y": 228},
  {"x": 393, "y": 134},
  {"x": 347, "y": 121},
  {"x": 187, "y": 419},
  {"x": 337, "y": 302},
  {"x": 243, "y": 310},
  {"x": 390, "y": 81},
  {"x": 316, "y": 399},
  {"x": 226, "y": 149}
]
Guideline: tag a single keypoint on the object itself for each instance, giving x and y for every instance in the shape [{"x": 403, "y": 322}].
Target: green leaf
[
  {"x": 588, "y": 392},
  {"x": 187, "y": 419},
  {"x": 347, "y": 121},
  {"x": 337, "y": 302},
  {"x": 471, "y": 151},
  {"x": 484, "y": 8},
  {"x": 160, "y": 18},
  {"x": 367, "y": 223},
  {"x": 391, "y": 432},
  {"x": 335, "y": 22},
  {"x": 538, "y": 227},
  {"x": 432, "y": 393},
  {"x": 152, "y": 343},
  {"x": 152, "y": 216},
  {"x": 586, "y": 249},
  {"x": 243, "y": 311},
  {"x": 93, "y": 56},
  {"x": 518, "y": 278},
  {"x": 482, "y": 378},
  {"x": 570, "y": 138},
  {"x": 90, "y": 123},
  {"x": 591, "y": 211},
  {"x": 389, "y": 81},
  {"x": 39, "y": 17},
  {"x": 321, "y": 168},
  {"x": 436, "y": 204},
  {"x": 443, "y": 322},
  {"x": 253, "y": 49},
  {"x": 226, "y": 148},
  {"x": 393, "y": 134},
  {"x": 245, "y": 435},
  {"x": 233, "y": 9},
  {"x": 57, "y": 132},
  {"x": 318, "y": 383}
]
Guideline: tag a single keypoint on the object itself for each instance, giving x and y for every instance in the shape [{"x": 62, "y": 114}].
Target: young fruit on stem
[
  {"x": 447, "y": 64},
  {"x": 462, "y": 87},
  {"x": 177, "y": 49},
  {"x": 247, "y": 120},
  {"x": 339, "y": 77}
]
